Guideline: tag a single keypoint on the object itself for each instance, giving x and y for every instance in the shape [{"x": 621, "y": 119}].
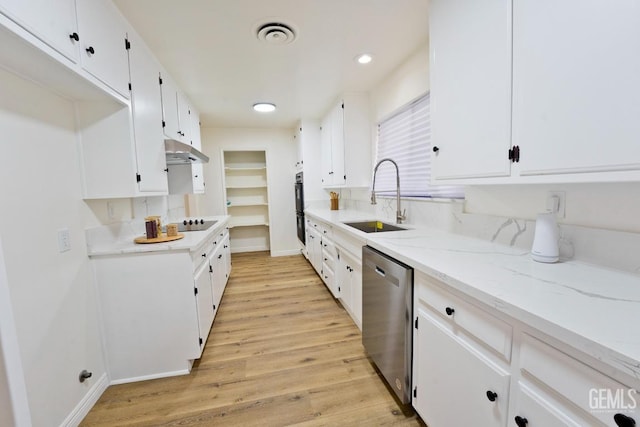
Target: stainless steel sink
[{"x": 373, "y": 226}]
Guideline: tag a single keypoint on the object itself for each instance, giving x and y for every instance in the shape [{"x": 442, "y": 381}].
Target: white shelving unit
[{"x": 246, "y": 192}]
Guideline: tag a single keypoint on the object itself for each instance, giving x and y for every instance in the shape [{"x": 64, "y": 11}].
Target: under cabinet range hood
[{"x": 179, "y": 153}]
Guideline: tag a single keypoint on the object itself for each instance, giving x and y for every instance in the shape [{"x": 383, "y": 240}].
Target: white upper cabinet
[
  {"x": 346, "y": 143},
  {"x": 52, "y": 22},
  {"x": 470, "y": 54},
  {"x": 147, "y": 117},
  {"x": 562, "y": 102},
  {"x": 175, "y": 112},
  {"x": 102, "y": 43},
  {"x": 576, "y": 87}
]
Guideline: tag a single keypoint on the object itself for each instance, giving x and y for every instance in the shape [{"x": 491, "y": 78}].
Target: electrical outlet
[
  {"x": 556, "y": 202},
  {"x": 64, "y": 240}
]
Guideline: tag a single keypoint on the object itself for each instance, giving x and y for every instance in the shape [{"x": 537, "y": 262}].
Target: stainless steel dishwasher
[{"x": 387, "y": 313}]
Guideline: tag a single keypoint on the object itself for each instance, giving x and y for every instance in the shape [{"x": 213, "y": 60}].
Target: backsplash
[{"x": 608, "y": 248}]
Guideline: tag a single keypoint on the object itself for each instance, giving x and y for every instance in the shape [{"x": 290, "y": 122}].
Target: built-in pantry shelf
[{"x": 247, "y": 200}]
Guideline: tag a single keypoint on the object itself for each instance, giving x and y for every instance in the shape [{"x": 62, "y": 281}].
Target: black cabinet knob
[
  {"x": 624, "y": 420},
  {"x": 74, "y": 36},
  {"x": 219, "y": 256},
  {"x": 90, "y": 50},
  {"x": 492, "y": 396},
  {"x": 204, "y": 255},
  {"x": 449, "y": 311},
  {"x": 167, "y": 170},
  {"x": 521, "y": 422},
  {"x": 435, "y": 149}
]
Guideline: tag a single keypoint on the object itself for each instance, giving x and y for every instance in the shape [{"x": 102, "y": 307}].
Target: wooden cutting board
[{"x": 160, "y": 239}]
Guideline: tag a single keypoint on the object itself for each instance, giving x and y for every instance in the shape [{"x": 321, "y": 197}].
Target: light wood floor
[{"x": 281, "y": 352}]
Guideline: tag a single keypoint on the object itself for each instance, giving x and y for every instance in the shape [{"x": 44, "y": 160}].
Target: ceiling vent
[{"x": 276, "y": 33}]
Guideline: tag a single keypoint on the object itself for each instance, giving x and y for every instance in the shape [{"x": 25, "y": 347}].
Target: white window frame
[{"x": 405, "y": 137}]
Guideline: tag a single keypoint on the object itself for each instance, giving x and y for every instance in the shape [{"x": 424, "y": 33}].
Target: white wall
[
  {"x": 281, "y": 159},
  {"x": 52, "y": 293}
]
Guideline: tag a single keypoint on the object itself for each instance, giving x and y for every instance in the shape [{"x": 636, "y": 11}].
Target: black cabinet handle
[
  {"x": 624, "y": 421},
  {"x": 521, "y": 422},
  {"x": 166, "y": 170},
  {"x": 204, "y": 255},
  {"x": 492, "y": 396},
  {"x": 74, "y": 36},
  {"x": 90, "y": 50},
  {"x": 435, "y": 149},
  {"x": 219, "y": 256},
  {"x": 449, "y": 311}
]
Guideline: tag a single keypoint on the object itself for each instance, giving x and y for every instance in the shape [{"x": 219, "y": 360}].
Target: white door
[
  {"x": 576, "y": 86},
  {"x": 102, "y": 44},
  {"x": 147, "y": 118},
  {"x": 470, "y": 54},
  {"x": 455, "y": 383},
  {"x": 52, "y": 22},
  {"x": 169, "y": 94},
  {"x": 204, "y": 300}
]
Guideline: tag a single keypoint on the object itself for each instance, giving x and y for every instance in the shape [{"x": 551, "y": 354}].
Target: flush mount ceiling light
[
  {"x": 276, "y": 33},
  {"x": 264, "y": 107},
  {"x": 365, "y": 58}
]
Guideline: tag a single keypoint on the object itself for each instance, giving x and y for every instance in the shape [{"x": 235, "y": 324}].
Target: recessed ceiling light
[
  {"x": 264, "y": 107},
  {"x": 365, "y": 58}
]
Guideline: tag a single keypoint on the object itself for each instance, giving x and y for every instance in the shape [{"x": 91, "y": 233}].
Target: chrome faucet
[{"x": 400, "y": 216}]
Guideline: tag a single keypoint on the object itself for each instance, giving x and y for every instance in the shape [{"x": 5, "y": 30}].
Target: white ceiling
[{"x": 211, "y": 50}]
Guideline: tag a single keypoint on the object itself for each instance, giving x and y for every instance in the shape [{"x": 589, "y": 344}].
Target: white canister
[{"x": 545, "y": 240}]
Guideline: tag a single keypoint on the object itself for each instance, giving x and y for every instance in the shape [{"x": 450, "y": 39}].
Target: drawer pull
[
  {"x": 378, "y": 270},
  {"x": 492, "y": 396},
  {"x": 204, "y": 255},
  {"x": 521, "y": 422},
  {"x": 624, "y": 421},
  {"x": 449, "y": 311}
]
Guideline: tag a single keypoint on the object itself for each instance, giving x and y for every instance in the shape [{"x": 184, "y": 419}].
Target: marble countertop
[
  {"x": 117, "y": 239},
  {"x": 591, "y": 308}
]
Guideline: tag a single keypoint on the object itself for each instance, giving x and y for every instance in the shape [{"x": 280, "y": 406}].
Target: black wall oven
[{"x": 300, "y": 207}]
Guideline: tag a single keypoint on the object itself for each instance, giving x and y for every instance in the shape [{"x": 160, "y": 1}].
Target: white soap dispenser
[{"x": 545, "y": 240}]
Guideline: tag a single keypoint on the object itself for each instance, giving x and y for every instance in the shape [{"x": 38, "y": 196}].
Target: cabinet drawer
[
  {"x": 328, "y": 247},
  {"x": 327, "y": 277},
  {"x": 590, "y": 390},
  {"x": 328, "y": 260},
  {"x": 489, "y": 330}
]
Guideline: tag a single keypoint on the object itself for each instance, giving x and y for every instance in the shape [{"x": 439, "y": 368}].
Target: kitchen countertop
[
  {"x": 591, "y": 308},
  {"x": 118, "y": 239}
]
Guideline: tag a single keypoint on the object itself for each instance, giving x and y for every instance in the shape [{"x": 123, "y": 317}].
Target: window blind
[{"x": 405, "y": 137}]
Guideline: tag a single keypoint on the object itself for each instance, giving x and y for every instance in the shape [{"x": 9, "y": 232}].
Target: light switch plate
[{"x": 64, "y": 240}]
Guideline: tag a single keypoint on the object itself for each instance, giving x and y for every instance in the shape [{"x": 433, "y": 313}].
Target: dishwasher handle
[{"x": 380, "y": 271}]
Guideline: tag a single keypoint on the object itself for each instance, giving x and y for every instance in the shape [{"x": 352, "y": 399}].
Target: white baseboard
[
  {"x": 237, "y": 250},
  {"x": 84, "y": 406},
  {"x": 152, "y": 377},
  {"x": 286, "y": 253}
]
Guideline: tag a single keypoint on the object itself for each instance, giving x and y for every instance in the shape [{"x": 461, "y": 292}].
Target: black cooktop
[{"x": 194, "y": 225}]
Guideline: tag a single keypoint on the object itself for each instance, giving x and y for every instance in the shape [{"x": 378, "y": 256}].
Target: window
[{"x": 405, "y": 137}]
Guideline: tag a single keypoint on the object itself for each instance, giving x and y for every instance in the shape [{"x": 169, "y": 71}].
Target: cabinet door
[
  {"x": 539, "y": 412},
  {"x": 325, "y": 151},
  {"x": 226, "y": 246},
  {"x": 218, "y": 277},
  {"x": 52, "y": 22},
  {"x": 102, "y": 43},
  {"x": 337, "y": 145},
  {"x": 204, "y": 300},
  {"x": 470, "y": 54},
  {"x": 194, "y": 129},
  {"x": 453, "y": 380},
  {"x": 184, "y": 118},
  {"x": 197, "y": 170},
  {"x": 147, "y": 118},
  {"x": 575, "y": 86},
  {"x": 169, "y": 93}
]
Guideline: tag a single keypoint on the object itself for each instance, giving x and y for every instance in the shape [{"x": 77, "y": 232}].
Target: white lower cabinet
[
  {"x": 455, "y": 383},
  {"x": 471, "y": 368},
  {"x": 203, "y": 290},
  {"x": 349, "y": 284},
  {"x": 157, "y": 308}
]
